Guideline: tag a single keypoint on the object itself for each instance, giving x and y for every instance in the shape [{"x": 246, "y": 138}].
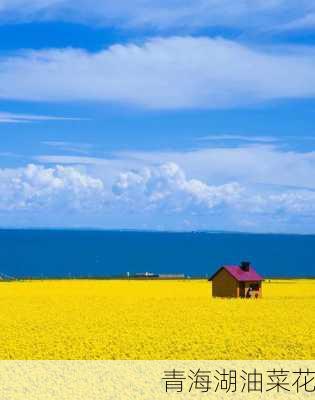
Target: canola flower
[{"x": 154, "y": 320}]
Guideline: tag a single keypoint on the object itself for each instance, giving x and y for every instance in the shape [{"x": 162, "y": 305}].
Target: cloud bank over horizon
[
  {"x": 252, "y": 163},
  {"x": 147, "y": 194}
]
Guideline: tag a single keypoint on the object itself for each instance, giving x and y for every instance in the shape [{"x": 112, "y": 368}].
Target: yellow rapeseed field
[{"x": 90, "y": 319}]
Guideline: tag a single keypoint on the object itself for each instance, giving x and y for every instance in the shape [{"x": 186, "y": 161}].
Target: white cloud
[
  {"x": 250, "y": 165},
  {"x": 240, "y": 138},
  {"x": 6, "y": 117},
  {"x": 35, "y": 187},
  {"x": 167, "y": 187},
  {"x": 305, "y": 22},
  {"x": 157, "y": 195},
  {"x": 289, "y": 203},
  {"x": 159, "y": 13},
  {"x": 177, "y": 72}
]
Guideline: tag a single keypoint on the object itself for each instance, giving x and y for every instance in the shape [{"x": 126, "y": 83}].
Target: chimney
[{"x": 245, "y": 265}]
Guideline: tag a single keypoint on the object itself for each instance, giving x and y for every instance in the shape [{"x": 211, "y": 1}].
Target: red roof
[{"x": 239, "y": 274}]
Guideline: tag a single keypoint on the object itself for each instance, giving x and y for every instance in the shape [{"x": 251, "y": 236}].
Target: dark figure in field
[{"x": 249, "y": 292}]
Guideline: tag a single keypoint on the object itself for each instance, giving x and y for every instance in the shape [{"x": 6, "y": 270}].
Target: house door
[{"x": 242, "y": 289}]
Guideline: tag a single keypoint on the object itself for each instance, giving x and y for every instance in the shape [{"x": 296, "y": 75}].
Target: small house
[{"x": 237, "y": 281}]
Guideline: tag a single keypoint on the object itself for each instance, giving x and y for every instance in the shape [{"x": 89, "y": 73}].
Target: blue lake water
[{"x": 57, "y": 253}]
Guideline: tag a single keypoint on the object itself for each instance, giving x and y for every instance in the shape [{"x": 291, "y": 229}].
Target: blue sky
[{"x": 194, "y": 115}]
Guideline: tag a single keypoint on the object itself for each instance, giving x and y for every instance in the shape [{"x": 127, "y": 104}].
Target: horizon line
[{"x": 139, "y": 230}]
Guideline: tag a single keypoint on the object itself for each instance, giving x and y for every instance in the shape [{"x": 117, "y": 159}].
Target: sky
[{"x": 158, "y": 115}]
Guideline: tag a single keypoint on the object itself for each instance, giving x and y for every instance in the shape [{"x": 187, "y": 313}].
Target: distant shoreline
[
  {"x": 125, "y": 278},
  {"x": 153, "y": 231}
]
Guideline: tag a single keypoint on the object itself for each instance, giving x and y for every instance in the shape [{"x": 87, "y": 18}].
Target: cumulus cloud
[
  {"x": 287, "y": 204},
  {"x": 152, "y": 194},
  {"x": 250, "y": 165},
  {"x": 35, "y": 187},
  {"x": 159, "y": 13},
  {"x": 167, "y": 187},
  {"x": 177, "y": 72}
]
